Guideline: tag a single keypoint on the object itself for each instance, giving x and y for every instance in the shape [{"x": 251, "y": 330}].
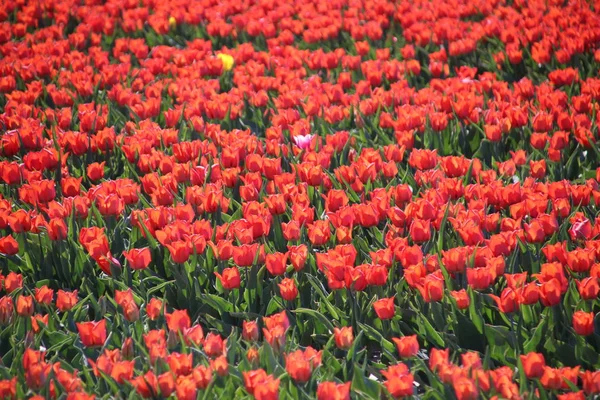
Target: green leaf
[
  {"x": 316, "y": 284},
  {"x": 375, "y": 335},
  {"x": 363, "y": 387},
  {"x": 317, "y": 315},
  {"x": 432, "y": 335},
  {"x": 535, "y": 338},
  {"x": 219, "y": 304},
  {"x": 474, "y": 312}
]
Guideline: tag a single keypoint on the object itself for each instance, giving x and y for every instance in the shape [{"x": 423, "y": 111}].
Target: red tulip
[
  {"x": 230, "y": 279},
  {"x": 583, "y": 323},
  {"x": 138, "y": 258},
  {"x": 92, "y": 333},
  {"x": 385, "y": 308}
]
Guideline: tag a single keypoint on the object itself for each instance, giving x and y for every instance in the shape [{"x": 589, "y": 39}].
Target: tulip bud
[
  {"x": 29, "y": 339},
  {"x": 250, "y": 331},
  {"x": 102, "y": 305},
  {"x": 288, "y": 289},
  {"x": 172, "y": 339},
  {"x": 343, "y": 337},
  {"x": 220, "y": 366},
  {"x": 25, "y": 306},
  {"x": 127, "y": 350},
  {"x": 253, "y": 357}
]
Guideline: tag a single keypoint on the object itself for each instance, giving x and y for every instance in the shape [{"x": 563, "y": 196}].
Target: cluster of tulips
[{"x": 331, "y": 200}]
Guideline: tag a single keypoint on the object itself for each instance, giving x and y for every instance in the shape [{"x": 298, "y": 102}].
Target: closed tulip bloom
[
  {"x": 12, "y": 282},
  {"x": 343, "y": 337},
  {"x": 298, "y": 255},
  {"x": 399, "y": 380},
  {"x": 95, "y": 171},
  {"x": 25, "y": 306},
  {"x": 253, "y": 379},
  {"x": 180, "y": 251},
  {"x": 250, "y": 331},
  {"x": 507, "y": 302},
  {"x": 66, "y": 300},
  {"x": 581, "y": 230},
  {"x": 244, "y": 255},
  {"x": 138, "y": 258},
  {"x": 343, "y": 235},
  {"x": 550, "y": 293},
  {"x": 127, "y": 350},
  {"x": 335, "y": 200},
  {"x": 156, "y": 343},
  {"x": 279, "y": 319},
  {"x": 588, "y": 288},
  {"x": 533, "y": 364},
  {"x": 288, "y": 289},
  {"x": 92, "y": 333},
  {"x": 300, "y": 364},
  {"x": 268, "y": 390},
  {"x": 534, "y": 232},
  {"x": 126, "y": 301},
  {"x": 590, "y": 381},
  {"x": 276, "y": 263},
  {"x": 230, "y": 279},
  {"x": 71, "y": 186},
  {"x": 465, "y": 389},
  {"x": 420, "y": 231},
  {"x": 154, "y": 308},
  {"x": 193, "y": 335},
  {"x": 44, "y": 295},
  {"x": 537, "y": 168},
  {"x": 252, "y": 356},
  {"x": 146, "y": 385},
  {"x": 276, "y": 204},
  {"x": 528, "y": 294},
  {"x": 186, "y": 388},
  {"x": 220, "y": 366},
  {"x": 470, "y": 360},
  {"x": 366, "y": 215},
  {"x": 291, "y": 230},
  {"x": 432, "y": 288},
  {"x": 214, "y": 345},
  {"x": 178, "y": 320},
  {"x": 408, "y": 346},
  {"x": 493, "y": 133},
  {"x": 583, "y": 323},
  {"x": 57, "y": 229},
  {"x": 551, "y": 378},
  {"x": 166, "y": 383},
  {"x": 298, "y": 367},
  {"x": 36, "y": 319},
  {"x": 333, "y": 391},
  {"x": 581, "y": 260},
  {"x": 276, "y": 337},
  {"x": 319, "y": 232},
  {"x": 9, "y": 246},
  {"x": 226, "y": 60},
  {"x": 462, "y": 298},
  {"x": 385, "y": 308},
  {"x": 480, "y": 278},
  {"x": 180, "y": 364}
]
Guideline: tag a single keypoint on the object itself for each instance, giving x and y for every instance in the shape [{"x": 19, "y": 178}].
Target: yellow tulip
[{"x": 227, "y": 61}]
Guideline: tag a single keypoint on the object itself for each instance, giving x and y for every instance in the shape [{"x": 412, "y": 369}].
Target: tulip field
[{"x": 332, "y": 200}]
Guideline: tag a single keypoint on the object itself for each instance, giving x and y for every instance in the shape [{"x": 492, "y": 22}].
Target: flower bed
[{"x": 330, "y": 200}]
